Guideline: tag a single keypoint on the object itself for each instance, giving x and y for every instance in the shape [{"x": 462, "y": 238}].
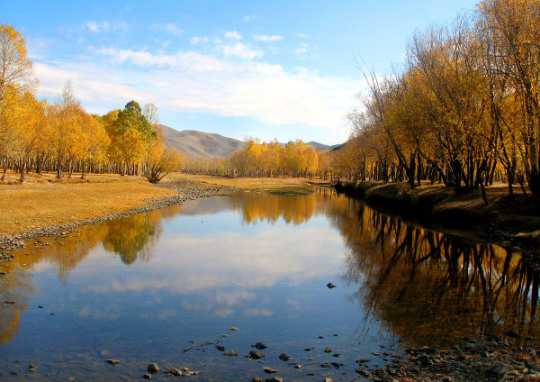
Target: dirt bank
[{"x": 497, "y": 218}]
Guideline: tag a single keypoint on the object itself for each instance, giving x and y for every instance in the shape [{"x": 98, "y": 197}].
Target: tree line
[
  {"x": 264, "y": 159},
  {"x": 36, "y": 135},
  {"x": 464, "y": 112}
]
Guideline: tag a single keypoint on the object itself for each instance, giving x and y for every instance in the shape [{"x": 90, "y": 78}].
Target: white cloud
[
  {"x": 105, "y": 26},
  {"x": 191, "y": 81},
  {"x": 186, "y": 60},
  {"x": 233, "y": 35},
  {"x": 241, "y": 50},
  {"x": 248, "y": 18},
  {"x": 268, "y": 38},
  {"x": 198, "y": 40},
  {"x": 86, "y": 81}
]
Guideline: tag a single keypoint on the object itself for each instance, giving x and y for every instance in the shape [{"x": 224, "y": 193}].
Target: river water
[{"x": 169, "y": 285}]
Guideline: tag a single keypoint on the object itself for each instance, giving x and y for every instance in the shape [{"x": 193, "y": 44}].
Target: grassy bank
[
  {"x": 498, "y": 217},
  {"x": 280, "y": 185},
  {"x": 43, "y": 201}
]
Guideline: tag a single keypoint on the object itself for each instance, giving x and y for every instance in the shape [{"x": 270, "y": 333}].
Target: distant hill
[
  {"x": 337, "y": 147},
  {"x": 198, "y": 144},
  {"x": 323, "y": 147}
]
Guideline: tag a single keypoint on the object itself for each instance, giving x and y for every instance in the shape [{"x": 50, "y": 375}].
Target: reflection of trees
[
  {"x": 132, "y": 237},
  {"x": 14, "y": 287},
  {"x": 428, "y": 285},
  {"x": 295, "y": 209}
]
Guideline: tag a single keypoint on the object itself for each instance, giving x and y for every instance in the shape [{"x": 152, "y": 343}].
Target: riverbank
[
  {"x": 497, "y": 218},
  {"x": 44, "y": 206},
  {"x": 274, "y": 185}
]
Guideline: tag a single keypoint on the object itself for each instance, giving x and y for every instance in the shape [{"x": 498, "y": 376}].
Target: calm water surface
[{"x": 166, "y": 285}]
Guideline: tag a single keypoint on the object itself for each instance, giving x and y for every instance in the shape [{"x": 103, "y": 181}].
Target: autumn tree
[{"x": 15, "y": 66}]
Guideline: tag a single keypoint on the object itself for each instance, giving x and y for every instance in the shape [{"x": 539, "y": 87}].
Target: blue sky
[{"x": 265, "y": 69}]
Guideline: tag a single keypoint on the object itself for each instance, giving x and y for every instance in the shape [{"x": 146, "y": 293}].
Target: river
[{"x": 168, "y": 285}]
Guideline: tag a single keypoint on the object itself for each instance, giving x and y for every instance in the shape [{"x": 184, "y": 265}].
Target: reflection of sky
[
  {"x": 200, "y": 257},
  {"x": 205, "y": 273}
]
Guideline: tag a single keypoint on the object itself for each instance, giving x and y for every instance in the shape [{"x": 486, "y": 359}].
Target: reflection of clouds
[
  {"x": 188, "y": 264},
  {"x": 233, "y": 298},
  {"x": 258, "y": 312},
  {"x": 98, "y": 314},
  {"x": 219, "y": 273}
]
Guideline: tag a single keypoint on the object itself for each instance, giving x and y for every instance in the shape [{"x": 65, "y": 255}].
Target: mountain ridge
[{"x": 202, "y": 145}]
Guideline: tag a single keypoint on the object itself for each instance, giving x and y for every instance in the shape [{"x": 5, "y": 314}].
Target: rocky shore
[
  {"x": 184, "y": 193},
  {"x": 479, "y": 359}
]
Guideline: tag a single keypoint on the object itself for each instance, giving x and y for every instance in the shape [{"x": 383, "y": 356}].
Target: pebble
[
  {"x": 113, "y": 361},
  {"x": 230, "y": 353},
  {"x": 328, "y": 349},
  {"x": 269, "y": 370},
  {"x": 260, "y": 346},
  {"x": 147, "y": 376},
  {"x": 330, "y": 286}
]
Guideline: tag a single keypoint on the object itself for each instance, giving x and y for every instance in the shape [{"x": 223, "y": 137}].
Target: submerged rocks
[
  {"x": 330, "y": 285},
  {"x": 269, "y": 370},
  {"x": 284, "y": 357},
  {"x": 254, "y": 354},
  {"x": 230, "y": 353},
  {"x": 153, "y": 368},
  {"x": 259, "y": 346},
  {"x": 175, "y": 372},
  {"x": 274, "y": 379},
  {"x": 182, "y": 372},
  {"x": 113, "y": 361}
]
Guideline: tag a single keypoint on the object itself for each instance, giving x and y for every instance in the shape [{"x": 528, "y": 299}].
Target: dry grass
[
  {"x": 42, "y": 202},
  {"x": 258, "y": 184}
]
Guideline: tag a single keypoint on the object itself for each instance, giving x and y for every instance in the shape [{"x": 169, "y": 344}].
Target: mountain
[
  {"x": 323, "y": 147},
  {"x": 197, "y": 144}
]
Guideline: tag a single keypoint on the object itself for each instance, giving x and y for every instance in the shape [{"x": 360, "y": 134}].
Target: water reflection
[
  {"x": 430, "y": 287},
  {"x": 263, "y": 260}
]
